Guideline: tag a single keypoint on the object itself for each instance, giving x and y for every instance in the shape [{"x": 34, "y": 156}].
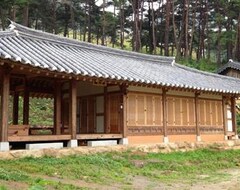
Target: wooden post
[
  {"x": 164, "y": 108},
  {"x": 4, "y": 105},
  {"x": 224, "y": 111},
  {"x": 106, "y": 114},
  {"x": 26, "y": 105},
  {"x": 197, "y": 116},
  {"x": 57, "y": 107},
  {"x": 124, "y": 111},
  {"x": 234, "y": 119},
  {"x": 73, "y": 108},
  {"x": 15, "y": 108}
]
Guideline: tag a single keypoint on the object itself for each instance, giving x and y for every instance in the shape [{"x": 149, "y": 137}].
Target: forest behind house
[{"x": 203, "y": 34}]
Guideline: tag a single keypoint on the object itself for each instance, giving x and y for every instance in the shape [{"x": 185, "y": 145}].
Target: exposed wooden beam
[
  {"x": 164, "y": 108},
  {"x": 224, "y": 115},
  {"x": 73, "y": 108},
  {"x": 197, "y": 115},
  {"x": 15, "y": 108},
  {"x": 124, "y": 111},
  {"x": 4, "y": 105},
  {"x": 26, "y": 105},
  {"x": 234, "y": 119},
  {"x": 57, "y": 107}
]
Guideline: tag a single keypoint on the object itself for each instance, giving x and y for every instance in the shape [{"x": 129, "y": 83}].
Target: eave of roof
[
  {"x": 59, "y": 54},
  {"x": 229, "y": 65}
]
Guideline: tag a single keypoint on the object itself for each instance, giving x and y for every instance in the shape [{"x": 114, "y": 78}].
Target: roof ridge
[
  {"x": 230, "y": 64},
  {"x": 25, "y": 31}
]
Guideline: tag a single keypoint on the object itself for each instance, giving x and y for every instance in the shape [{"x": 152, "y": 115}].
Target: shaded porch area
[{"x": 81, "y": 110}]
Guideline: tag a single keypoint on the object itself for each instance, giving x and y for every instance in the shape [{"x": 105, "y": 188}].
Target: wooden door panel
[{"x": 115, "y": 113}]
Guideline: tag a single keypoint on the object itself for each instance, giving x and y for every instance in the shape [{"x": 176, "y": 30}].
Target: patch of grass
[{"x": 108, "y": 168}]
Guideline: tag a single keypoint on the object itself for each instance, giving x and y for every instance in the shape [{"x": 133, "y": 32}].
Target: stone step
[
  {"x": 37, "y": 146},
  {"x": 102, "y": 143}
]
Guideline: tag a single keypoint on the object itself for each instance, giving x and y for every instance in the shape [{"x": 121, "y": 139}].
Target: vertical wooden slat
[
  {"x": 15, "y": 108},
  {"x": 164, "y": 112},
  {"x": 197, "y": 114},
  {"x": 26, "y": 104},
  {"x": 57, "y": 107},
  {"x": 233, "y": 110},
  {"x": 106, "y": 111},
  {"x": 73, "y": 108},
  {"x": 224, "y": 115},
  {"x": 124, "y": 111},
  {"x": 4, "y": 106}
]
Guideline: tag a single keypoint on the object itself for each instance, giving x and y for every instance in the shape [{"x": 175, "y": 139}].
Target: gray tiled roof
[
  {"x": 230, "y": 65},
  {"x": 44, "y": 50}
]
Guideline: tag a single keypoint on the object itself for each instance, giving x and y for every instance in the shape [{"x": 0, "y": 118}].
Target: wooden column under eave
[
  {"x": 106, "y": 114},
  {"x": 234, "y": 119},
  {"x": 73, "y": 108},
  {"x": 197, "y": 117},
  {"x": 4, "y": 105},
  {"x": 164, "y": 108},
  {"x": 57, "y": 107},
  {"x": 124, "y": 111},
  {"x": 26, "y": 106},
  {"x": 224, "y": 115},
  {"x": 15, "y": 108}
]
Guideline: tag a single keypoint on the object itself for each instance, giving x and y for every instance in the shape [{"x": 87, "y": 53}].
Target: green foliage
[
  {"x": 109, "y": 168},
  {"x": 203, "y": 64}
]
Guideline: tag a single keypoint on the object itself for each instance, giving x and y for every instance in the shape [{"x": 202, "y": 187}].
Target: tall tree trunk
[
  {"x": 25, "y": 15},
  {"x": 122, "y": 24},
  {"x": 167, "y": 28},
  {"x": 153, "y": 30},
  {"x": 186, "y": 7},
  {"x": 193, "y": 29},
  {"x": 103, "y": 24},
  {"x": 237, "y": 43},
  {"x": 2, "y": 15},
  {"x": 85, "y": 22},
  {"x": 89, "y": 21}
]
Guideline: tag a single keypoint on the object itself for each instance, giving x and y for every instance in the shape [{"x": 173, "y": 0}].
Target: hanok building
[{"x": 102, "y": 93}]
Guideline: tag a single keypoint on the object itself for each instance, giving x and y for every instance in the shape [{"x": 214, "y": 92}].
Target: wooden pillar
[
  {"x": 4, "y": 105},
  {"x": 197, "y": 117},
  {"x": 26, "y": 104},
  {"x": 164, "y": 108},
  {"x": 124, "y": 111},
  {"x": 224, "y": 115},
  {"x": 15, "y": 108},
  {"x": 57, "y": 107},
  {"x": 106, "y": 114},
  {"x": 73, "y": 108},
  {"x": 234, "y": 119}
]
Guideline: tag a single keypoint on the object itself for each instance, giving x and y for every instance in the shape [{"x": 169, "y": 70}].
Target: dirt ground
[{"x": 232, "y": 182}]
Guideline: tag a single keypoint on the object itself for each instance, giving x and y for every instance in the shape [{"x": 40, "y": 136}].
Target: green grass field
[{"x": 106, "y": 169}]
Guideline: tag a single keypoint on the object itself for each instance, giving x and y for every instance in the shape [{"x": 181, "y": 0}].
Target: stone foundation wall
[{"x": 156, "y": 148}]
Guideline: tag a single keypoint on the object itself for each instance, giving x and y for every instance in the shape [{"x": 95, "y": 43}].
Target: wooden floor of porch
[{"x": 36, "y": 138}]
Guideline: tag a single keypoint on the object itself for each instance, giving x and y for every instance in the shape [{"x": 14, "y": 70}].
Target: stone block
[
  {"x": 123, "y": 141},
  {"x": 4, "y": 146},
  {"x": 102, "y": 143},
  {"x": 39, "y": 146},
  {"x": 72, "y": 143}
]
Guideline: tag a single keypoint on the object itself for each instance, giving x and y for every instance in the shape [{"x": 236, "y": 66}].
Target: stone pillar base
[
  {"x": 236, "y": 137},
  {"x": 72, "y": 143},
  {"x": 225, "y": 137},
  {"x": 123, "y": 141},
  {"x": 4, "y": 146},
  {"x": 199, "y": 139},
  {"x": 165, "y": 140}
]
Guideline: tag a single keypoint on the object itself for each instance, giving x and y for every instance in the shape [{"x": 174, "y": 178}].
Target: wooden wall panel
[
  {"x": 211, "y": 113},
  {"x": 131, "y": 109},
  {"x": 158, "y": 110},
  {"x": 180, "y": 111},
  {"x": 170, "y": 111},
  {"x": 144, "y": 110},
  {"x": 149, "y": 110},
  {"x": 141, "y": 110}
]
